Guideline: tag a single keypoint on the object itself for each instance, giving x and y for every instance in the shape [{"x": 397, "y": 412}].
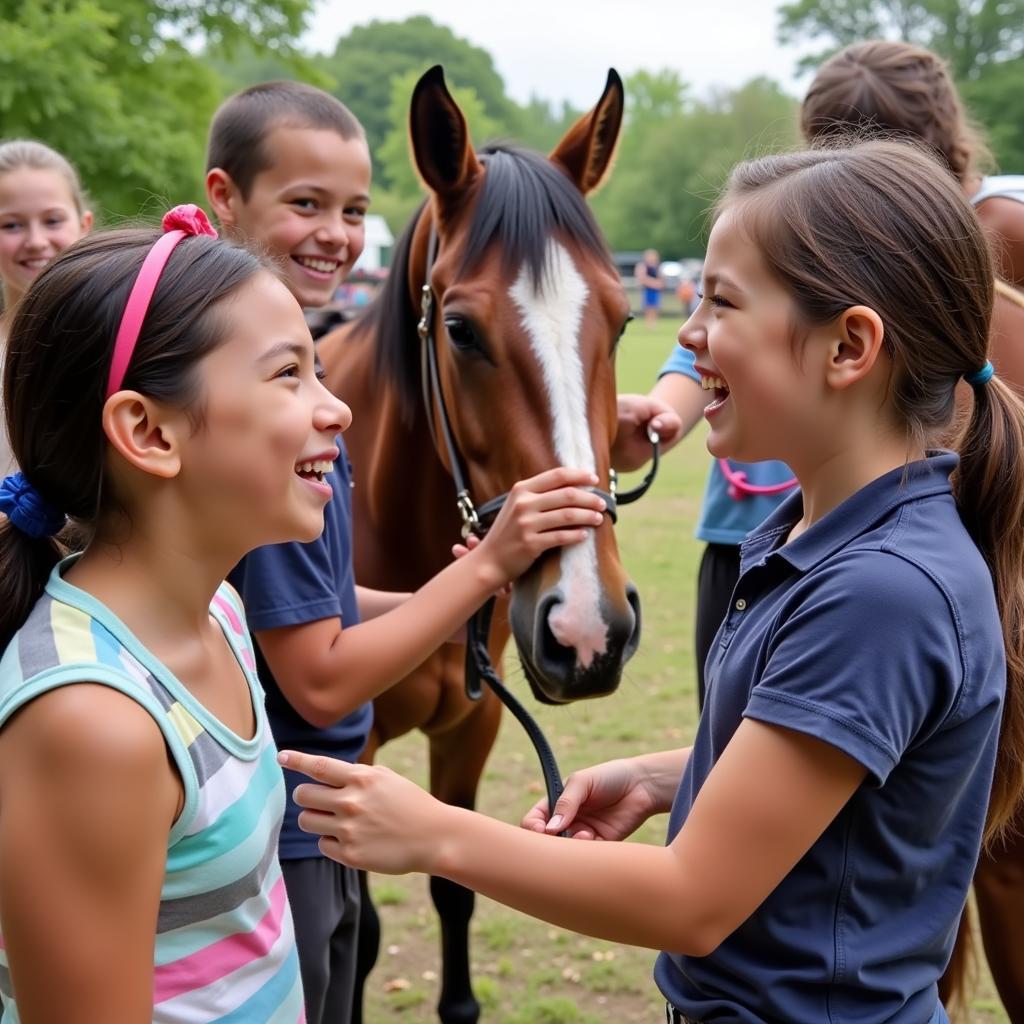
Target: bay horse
[{"x": 524, "y": 312}]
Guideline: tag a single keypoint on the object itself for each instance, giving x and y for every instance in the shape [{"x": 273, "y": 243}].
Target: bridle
[{"x": 477, "y": 520}]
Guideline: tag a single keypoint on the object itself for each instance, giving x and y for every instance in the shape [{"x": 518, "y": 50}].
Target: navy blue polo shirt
[
  {"x": 290, "y": 585},
  {"x": 876, "y": 630}
]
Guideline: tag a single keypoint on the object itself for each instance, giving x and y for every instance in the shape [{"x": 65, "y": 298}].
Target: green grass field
[{"x": 527, "y": 972}]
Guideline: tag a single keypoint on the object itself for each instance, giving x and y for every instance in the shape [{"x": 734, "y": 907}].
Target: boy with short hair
[{"x": 288, "y": 167}]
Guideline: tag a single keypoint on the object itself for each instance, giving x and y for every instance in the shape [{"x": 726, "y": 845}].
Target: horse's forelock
[{"x": 524, "y": 201}]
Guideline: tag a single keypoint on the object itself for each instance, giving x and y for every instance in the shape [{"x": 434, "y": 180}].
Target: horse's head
[{"x": 527, "y": 311}]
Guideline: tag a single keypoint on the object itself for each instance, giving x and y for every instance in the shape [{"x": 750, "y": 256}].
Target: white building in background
[{"x": 377, "y": 247}]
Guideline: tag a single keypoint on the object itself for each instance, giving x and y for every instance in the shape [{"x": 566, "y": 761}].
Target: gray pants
[{"x": 324, "y": 898}]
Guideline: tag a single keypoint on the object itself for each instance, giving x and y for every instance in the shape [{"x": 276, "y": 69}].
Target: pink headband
[{"x": 178, "y": 223}]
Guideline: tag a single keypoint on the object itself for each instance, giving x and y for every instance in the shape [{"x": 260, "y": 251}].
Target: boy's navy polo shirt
[
  {"x": 876, "y": 631},
  {"x": 289, "y": 585}
]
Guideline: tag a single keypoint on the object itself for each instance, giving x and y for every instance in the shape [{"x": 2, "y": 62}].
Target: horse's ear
[
  {"x": 440, "y": 139},
  {"x": 588, "y": 146}
]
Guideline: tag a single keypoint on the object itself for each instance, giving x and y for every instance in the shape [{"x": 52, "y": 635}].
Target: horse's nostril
[
  {"x": 549, "y": 652},
  {"x": 633, "y": 598}
]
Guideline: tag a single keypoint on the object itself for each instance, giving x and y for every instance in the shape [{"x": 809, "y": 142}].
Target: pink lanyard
[{"x": 740, "y": 489}]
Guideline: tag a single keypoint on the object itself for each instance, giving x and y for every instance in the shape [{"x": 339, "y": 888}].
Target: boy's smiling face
[{"x": 307, "y": 209}]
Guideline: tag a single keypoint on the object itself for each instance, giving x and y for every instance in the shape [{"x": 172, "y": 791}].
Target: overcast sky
[{"x": 562, "y": 49}]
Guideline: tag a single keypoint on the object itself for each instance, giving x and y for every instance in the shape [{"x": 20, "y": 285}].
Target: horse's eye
[
  {"x": 462, "y": 335},
  {"x": 629, "y": 319}
]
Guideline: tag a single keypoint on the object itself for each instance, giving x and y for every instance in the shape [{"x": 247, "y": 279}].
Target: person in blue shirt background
[
  {"x": 864, "y": 707},
  {"x": 652, "y": 284}
]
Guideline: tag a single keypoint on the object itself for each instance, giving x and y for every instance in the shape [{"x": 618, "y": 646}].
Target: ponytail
[
  {"x": 989, "y": 488},
  {"x": 25, "y": 566}
]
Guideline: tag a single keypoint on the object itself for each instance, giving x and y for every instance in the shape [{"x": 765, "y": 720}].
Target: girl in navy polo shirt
[{"x": 864, "y": 691}]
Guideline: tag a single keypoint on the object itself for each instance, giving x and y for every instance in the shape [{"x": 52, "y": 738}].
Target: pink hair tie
[{"x": 178, "y": 223}]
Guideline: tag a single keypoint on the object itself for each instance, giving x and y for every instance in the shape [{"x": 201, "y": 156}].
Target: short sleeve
[
  {"x": 868, "y": 659},
  {"x": 288, "y": 584},
  {"x": 680, "y": 360}
]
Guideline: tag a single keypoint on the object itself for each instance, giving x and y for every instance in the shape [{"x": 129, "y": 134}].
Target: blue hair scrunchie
[
  {"x": 982, "y": 376},
  {"x": 27, "y": 509}
]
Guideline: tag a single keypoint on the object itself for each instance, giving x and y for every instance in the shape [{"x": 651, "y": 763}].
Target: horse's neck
[{"x": 403, "y": 500}]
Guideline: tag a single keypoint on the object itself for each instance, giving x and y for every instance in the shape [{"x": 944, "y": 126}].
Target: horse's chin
[{"x": 582, "y": 685}]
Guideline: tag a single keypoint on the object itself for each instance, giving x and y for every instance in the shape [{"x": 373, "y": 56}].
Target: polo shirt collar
[{"x": 856, "y": 515}]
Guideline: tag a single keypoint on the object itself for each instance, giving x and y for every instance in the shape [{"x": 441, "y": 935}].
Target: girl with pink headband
[{"x": 141, "y": 798}]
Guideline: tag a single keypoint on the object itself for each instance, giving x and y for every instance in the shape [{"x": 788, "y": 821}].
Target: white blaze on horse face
[{"x": 552, "y": 314}]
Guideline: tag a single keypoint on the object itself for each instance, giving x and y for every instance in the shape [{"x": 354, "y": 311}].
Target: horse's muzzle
[{"x": 559, "y": 672}]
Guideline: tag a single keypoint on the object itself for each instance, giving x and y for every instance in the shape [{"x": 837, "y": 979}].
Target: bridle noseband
[{"x": 479, "y": 667}]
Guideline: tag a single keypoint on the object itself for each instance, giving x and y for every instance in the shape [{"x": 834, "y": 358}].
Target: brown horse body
[{"x": 527, "y": 310}]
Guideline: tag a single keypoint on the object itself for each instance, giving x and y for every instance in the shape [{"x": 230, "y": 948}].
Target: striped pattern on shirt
[{"x": 225, "y": 947}]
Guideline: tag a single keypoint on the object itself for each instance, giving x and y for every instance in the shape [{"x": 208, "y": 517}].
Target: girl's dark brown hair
[
  {"x": 55, "y": 375},
  {"x": 899, "y": 88},
  {"x": 882, "y": 224}
]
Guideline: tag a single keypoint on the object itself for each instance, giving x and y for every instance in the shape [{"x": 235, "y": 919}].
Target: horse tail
[{"x": 961, "y": 975}]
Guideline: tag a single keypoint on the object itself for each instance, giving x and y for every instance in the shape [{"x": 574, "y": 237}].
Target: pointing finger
[{"x": 324, "y": 769}]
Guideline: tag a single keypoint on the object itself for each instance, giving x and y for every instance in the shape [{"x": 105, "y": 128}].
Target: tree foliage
[
  {"x": 674, "y": 158},
  {"x": 983, "y": 41},
  {"x": 119, "y": 89},
  {"x": 970, "y": 34},
  {"x": 126, "y": 88},
  {"x": 371, "y": 58}
]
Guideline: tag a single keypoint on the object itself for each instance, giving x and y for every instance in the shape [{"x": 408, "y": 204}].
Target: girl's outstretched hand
[
  {"x": 608, "y": 801},
  {"x": 366, "y": 815},
  {"x": 547, "y": 511}
]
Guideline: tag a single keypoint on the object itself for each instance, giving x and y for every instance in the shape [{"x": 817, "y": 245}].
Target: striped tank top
[{"x": 225, "y": 945}]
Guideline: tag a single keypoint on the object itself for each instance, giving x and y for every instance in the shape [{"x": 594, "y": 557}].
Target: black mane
[{"x": 524, "y": 200}]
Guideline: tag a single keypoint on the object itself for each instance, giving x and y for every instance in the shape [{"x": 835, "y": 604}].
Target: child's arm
[
  {"x": 88, "y": 798},
  {"x": 325, "y": 671},
  {"x": 771, "y": 795}
]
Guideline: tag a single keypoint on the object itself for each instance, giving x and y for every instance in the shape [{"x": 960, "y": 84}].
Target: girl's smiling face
[
  {"x": 762, "y": 387},
  {"x": 38, "y": 220},
  {"x": 257, "y": 468}
]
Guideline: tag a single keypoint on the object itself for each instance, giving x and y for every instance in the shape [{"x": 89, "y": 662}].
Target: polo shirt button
[{"x": 741, "y": 604}]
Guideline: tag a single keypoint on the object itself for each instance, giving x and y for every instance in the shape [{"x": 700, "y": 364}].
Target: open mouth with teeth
[
  {"x": 318, "y": 264},
  {"x": 720, "y": 389},
  {"x": 314, "y": 470}
]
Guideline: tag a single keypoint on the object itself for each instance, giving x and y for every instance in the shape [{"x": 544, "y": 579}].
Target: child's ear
[
  {"x": 857, "y": 341},
  {"x": 146, "y": 434},
  {"x": 223, "y": 195}
]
